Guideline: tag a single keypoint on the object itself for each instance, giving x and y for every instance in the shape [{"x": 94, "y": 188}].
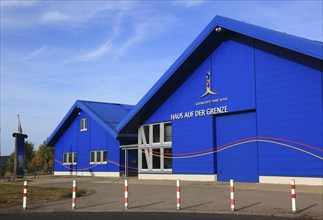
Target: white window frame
[
  {"x": 146, "y": 149},
  {"x": 83, "y": 124},
  {"x": 68, "y": 162},
  {"x": 101, "y": 152}
]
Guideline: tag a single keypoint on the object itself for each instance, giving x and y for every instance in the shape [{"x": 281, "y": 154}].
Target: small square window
[
  {"x": 83, "y": 125},
  {"x": 92, "y": 157},
  {"x": 74, "y": 158},
  {"x": 65, "y": 158},
  {"x": 104, "y": 156},
  {"x": 69, "y": 158},
  {"x": 98, "y": 156}
]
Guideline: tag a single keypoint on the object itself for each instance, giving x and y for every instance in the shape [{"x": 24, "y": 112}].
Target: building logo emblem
[{"x": 208, "y": 85}]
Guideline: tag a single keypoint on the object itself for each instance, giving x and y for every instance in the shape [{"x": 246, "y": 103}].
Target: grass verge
[{"x": 11, "y": 194}]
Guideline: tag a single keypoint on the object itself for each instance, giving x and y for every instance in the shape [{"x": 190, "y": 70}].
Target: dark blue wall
[
  {"x": 232, "y": 70},
  {"x": 289, "y": 106},
  {"x": 82, "y": 142},
  {"x": 282, "y": 88}
]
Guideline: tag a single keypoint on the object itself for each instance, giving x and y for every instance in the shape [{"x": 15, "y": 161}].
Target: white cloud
[
  {"x": 188, "y": 3},
  {"x": 56, "y": 17},
  {"x": 34, "y": 53},
  {"x": 12, "y": 3},
  {"x": 97, "y": 53}
]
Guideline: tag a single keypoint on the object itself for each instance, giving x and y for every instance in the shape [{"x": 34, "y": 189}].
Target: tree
[
  {"x": 10, "y": 163},
  {"x": 44, "y": 158},
  {"x": 29, "y": 155}
]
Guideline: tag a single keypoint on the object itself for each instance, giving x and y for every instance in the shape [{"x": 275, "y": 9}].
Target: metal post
[
  {"x": 24, "y": 200},
  {"x": 74, "y": 195},
  {"x": 126, "y": 162},
  {"x": 126, "y": 200},
  {"x": 178, "y": 195},
  {"x": 232, "y": 195},
  {"x": 293, "y": 193}
]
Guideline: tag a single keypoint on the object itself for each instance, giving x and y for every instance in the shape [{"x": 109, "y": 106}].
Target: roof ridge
[{"x": 100, "y": 102}]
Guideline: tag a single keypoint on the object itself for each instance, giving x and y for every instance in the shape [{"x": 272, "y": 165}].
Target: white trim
[
  {"x": 87, "y": 173},
  {"x": 312, "y": 181},
  {"x": 189, "y": 177}
]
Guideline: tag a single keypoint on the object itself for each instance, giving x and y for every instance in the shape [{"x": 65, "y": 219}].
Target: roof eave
[{"x": 70, "y": 117}]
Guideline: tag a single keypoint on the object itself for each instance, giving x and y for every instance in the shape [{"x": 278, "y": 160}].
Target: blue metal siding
[
  {"x": 232, "y": 77},
  {"x": 58, "y": 155},
  {"x": 233, "y": 68},
  {"x": 113, "y": 154},
  {"x": 142, "y": 110},
  {"x": 238, "y": 162},
  {"x": 67, "y": 143},
  {"x": 162, "y": 114},
  {"x": 97, "y": 142},
  {"x": 289, "y": 106},
  {"x": 93, "y": 139},
  {"x": 193, "y": 135}
]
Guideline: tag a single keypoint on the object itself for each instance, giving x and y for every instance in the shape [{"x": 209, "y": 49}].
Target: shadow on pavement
[
  {"x": 151, "y": 204},
  {"x": 193, "y": 206},
  {"x": 90, "y": 206},
  {"x": 248, "y": 206},
  {"x": 301, "y": 210}
]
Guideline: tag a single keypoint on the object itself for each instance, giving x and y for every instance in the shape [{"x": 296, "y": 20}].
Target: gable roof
[
  {"x": 198, "y": 50},
  {"x": 108, "y": 115}
]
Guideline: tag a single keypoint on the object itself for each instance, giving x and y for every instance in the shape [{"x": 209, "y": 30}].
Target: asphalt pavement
[
  {"x": 159, "y": 197},
  {"x": 134, "y": 216}
]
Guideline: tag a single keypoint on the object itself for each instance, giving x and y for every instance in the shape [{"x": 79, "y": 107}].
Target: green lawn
[{"x": 11, "y": 194}]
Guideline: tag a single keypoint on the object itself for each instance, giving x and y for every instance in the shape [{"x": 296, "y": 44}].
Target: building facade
[
  {"x": 242, "y": 102},
  {"x": 85, "y": 142}
]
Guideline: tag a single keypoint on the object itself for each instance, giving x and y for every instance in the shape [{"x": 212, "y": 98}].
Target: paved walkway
[{"x": 200, "y": 197}]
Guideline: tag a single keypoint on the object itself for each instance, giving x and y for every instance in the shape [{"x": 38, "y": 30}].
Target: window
[
  {"x": 70, "y": 158},
  {"x": 156, "y": 133},
  {"x": 146, "y": 130},
  {"x": 83, "y": 125},
  {"x": 104, "y": 158},
  {"x": 167, "y": 158},
  {"x": 92, "y": 157},
  {"x": 157, "y": 154},
  {"x": 98, "y": 156},
  {"x": 156, "y": 158},
  {"x": 167, "y": 132}
]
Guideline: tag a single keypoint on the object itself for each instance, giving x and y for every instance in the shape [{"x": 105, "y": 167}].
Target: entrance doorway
[
  {"x": 239, "y": 161},
  {"x": 130, "y": 159}
]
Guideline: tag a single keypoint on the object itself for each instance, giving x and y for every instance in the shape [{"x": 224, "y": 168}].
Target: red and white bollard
[
  {"x": 178, "y": 195},
  {"x": 232, "y": 195},
  {"x": 293, "y": 192},
  {"x": 74, "y": 195},
  {"x": 24, "y": 200},
  {"x": 126, "y": 199}
]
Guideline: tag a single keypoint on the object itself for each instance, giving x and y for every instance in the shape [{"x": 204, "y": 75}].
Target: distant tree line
[{"x": 35, "y": 160}]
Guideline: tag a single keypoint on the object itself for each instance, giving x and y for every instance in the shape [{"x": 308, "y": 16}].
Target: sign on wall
[{"x": 205, "y": 111}]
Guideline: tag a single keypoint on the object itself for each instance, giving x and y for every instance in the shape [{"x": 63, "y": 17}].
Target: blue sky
[{"x": 55, "y": 52}]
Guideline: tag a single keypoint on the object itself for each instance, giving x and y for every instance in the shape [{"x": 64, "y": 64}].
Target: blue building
[
  {"x": 242, "y": 102},
  {"x": 85, "y": 141}
]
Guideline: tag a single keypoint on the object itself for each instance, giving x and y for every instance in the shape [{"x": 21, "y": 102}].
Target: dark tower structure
[{"x": 19, "y": 153}]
